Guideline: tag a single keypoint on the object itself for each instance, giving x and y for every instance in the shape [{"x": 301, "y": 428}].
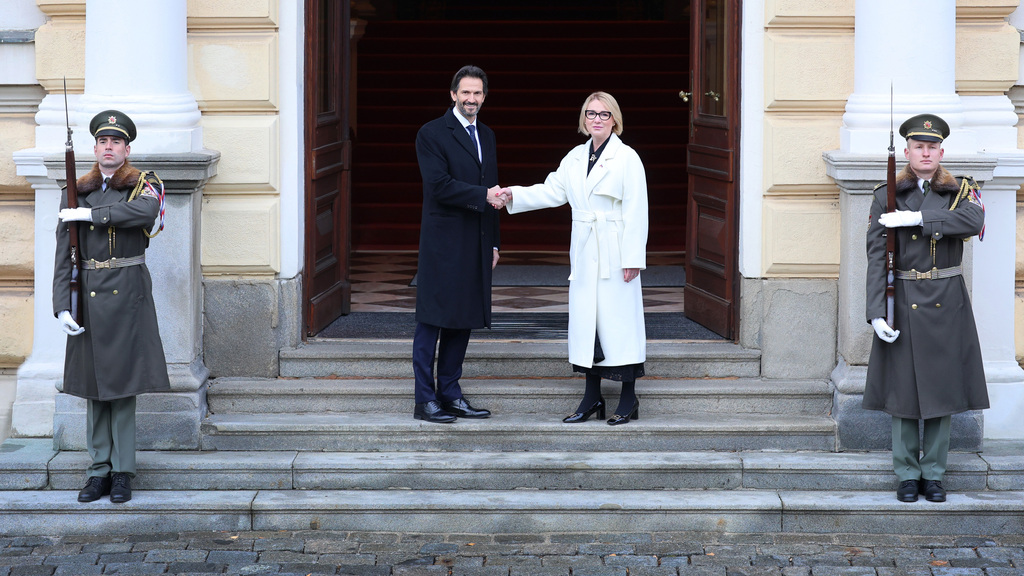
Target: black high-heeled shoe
[
  {"x": 634, "y": 414},
  {"x": 583, "y": 416}
]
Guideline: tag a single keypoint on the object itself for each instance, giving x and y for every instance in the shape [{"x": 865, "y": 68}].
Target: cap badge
[
  {"x": 112, "y": 120},
  {"x": 927, "y": 124}
]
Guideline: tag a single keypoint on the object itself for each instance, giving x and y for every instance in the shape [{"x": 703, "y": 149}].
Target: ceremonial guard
[
  {"x": 114, "y": 352},
  {"x": 927, "y": 366}
]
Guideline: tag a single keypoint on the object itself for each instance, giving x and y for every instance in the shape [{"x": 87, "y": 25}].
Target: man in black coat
[
  {"x": 459, "y": 244},
  {"x": 116, "y": 352},
  {"x": 929, "y": 365}
]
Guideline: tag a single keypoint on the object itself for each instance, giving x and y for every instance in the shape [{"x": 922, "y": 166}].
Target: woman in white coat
[{"x": 603, "y": 181}]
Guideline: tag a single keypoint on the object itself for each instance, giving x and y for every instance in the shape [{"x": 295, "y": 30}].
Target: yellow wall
[
  {"x": 808, "y": 78},
  {"x": 56, "y": 43},
  {"x": 233, "y": 63}
]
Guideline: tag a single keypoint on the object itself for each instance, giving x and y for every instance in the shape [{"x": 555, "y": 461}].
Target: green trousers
[
  {"x": 908, "y": 460},
  {"x": 110, "y": 433}
]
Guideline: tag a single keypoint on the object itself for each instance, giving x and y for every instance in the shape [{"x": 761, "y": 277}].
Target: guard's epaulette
[
  {"x": 879, "y": 185},
  {"x": 145, "y": 177},
  {"x": 150, "y": 185},
  {"x": 967, "y": 185}
]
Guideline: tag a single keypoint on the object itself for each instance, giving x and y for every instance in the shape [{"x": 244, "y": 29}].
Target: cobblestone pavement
[{"x": 380, "y": 554}]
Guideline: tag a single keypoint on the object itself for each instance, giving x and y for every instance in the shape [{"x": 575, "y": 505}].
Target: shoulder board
[
  {"x": 151, "y": 177},
  {"x": 879, "y": 185},
  {"x": 969, "y": 190}
]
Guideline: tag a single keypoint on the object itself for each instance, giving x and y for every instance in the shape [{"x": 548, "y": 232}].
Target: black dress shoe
[
  {"x": 933, "y": 490},
  {"x": 597, "y": 407},
  {"x": 432, "y": 412},
  {"x": 96, "y": 487},
  {"x": 120, "y": 487},
  {"x": 462, "y": 409},
  {"x": 634, "y": 414},
  {"x": 907, "y": 492}
]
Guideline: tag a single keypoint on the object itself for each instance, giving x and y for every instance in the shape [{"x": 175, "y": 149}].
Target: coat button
[
  {"x": 92, "y": 227},
  {"x": 937, "y": 305},
  {"x": 914, "y": 306},
  {"x": 115, "y": 292},
  {"x": 913, "y": 237},
  {"x": 92, "y": 294}
]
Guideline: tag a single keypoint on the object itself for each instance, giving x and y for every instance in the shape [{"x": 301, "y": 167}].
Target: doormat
[
  {"x": 558, "y": 275},
  {"x": 509, "y": 326}
]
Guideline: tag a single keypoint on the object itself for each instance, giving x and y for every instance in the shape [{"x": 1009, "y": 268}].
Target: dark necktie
[
  {"x": 106, "y": 182},
  {"x": 926, "y": 187},
  {"x": 472, "y": 136}
]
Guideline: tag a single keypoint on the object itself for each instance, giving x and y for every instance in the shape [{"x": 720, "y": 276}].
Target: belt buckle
[{"x": 102, "y": 265}]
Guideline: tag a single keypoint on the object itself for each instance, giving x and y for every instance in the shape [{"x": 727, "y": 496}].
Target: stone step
[
  {"x": 355, "y": 432},
  {"x": 531, "y": 396},
  {"x": 511, "y": 359},
  {"x": 56, "y": 512},
  {"x": 283, "y": 470}
]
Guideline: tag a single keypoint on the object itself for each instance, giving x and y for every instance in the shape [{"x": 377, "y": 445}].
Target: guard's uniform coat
[
  {"x": 120, "y": 353},
  {"x": 459, "y": 229},
  {"x": 934, "y": 368},
  {"x": 609, "y": 233}
]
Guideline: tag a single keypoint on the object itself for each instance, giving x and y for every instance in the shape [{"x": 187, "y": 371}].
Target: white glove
[
  {"x": 900, "y": 218},
  {"x": 75, "y": 215},
  {"x": 884, "y": 331},
  {"x": 68, "y": 324}
]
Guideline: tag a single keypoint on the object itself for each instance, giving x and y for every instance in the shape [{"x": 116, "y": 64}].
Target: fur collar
[
  {"x": 125, "y": 177},
  {"x": 942, "y": 182}
]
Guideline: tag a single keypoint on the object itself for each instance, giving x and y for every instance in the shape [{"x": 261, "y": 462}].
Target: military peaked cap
[
  {"x": 112, "y": 123},
  {"x": 927, "y": 127}
]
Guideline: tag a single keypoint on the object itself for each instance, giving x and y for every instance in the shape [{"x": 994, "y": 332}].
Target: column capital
[
  {"x": 185, "y": 173},
  {"x": 859, "y": 173}
]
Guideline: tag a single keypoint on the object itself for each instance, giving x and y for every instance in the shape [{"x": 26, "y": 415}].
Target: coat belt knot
[{"x": 601, "y": 225}]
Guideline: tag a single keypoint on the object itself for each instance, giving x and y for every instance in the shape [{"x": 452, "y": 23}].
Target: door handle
[
  {"x": 685, "y": 95},
  {"x": 714, "y": 95}
]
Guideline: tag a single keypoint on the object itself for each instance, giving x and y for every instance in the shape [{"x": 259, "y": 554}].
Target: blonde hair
[{"x": 609, "y": 102}]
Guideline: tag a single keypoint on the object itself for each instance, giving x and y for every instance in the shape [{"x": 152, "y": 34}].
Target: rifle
[
  {"x": 72, "y": 190},
  {"x": 890, "y": 234}
]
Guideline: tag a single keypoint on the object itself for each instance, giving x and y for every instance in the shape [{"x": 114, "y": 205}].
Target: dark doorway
[{"x": 542, "y": 59}]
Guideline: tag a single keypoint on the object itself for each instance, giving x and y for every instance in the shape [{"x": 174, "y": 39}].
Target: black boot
[
  {"x": 96, "y": 487},
  {"x": 120, "y": 487}
]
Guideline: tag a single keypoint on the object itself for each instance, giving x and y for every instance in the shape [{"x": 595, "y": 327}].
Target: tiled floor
[{"x": 380, "y": 283}]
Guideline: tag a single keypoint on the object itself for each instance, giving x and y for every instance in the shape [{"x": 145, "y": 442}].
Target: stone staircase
[{"x": 332, "y": 444}]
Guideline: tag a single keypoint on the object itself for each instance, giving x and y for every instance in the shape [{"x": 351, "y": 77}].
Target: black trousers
[{"x": 450, "y": 354}]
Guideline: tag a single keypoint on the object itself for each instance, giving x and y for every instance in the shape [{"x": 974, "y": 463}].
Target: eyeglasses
[{"x": 591, "y": 114}]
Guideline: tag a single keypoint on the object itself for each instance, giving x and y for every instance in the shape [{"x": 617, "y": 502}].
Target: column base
[
  {"x": 32, "y": 412},
  {"x": 1006, "y": 395},
  {"x": 860, "y": 429},
  {"x": 167, "y": 421}
]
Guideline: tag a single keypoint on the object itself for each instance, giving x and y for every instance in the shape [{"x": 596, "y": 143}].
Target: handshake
[{"x": 498, "y": 197}]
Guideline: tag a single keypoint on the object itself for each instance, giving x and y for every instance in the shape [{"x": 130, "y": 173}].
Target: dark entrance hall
[{"x": 542, "y": 61}]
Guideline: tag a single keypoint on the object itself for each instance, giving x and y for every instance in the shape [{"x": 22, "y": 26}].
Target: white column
[
  {"x": 136, "y": 61},
  {"x": 888, "y": 52},
  {"x": 993, "y": 301},
  {"x": 994, "y": 120}
]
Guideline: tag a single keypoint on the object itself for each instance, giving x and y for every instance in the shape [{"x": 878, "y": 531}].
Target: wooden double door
[{"x": 696, "y": 171}]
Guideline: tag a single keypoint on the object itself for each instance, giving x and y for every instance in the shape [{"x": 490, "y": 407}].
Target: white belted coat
[{"x": 609, "y": 233}]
